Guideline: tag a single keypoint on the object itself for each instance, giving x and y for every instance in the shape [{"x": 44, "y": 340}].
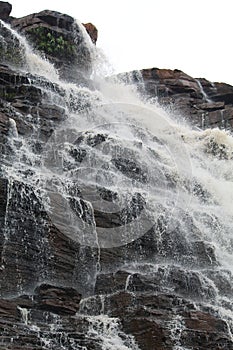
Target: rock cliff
[
  {"x": 205, "y": 103},
  {"x": 156, "y": 291}
]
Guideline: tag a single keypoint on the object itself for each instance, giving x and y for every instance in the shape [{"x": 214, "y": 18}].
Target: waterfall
[
  {"x": 115, "y": 170},
  {"x": 34, "y": 63},
  {"x": 204, "y": 94}
]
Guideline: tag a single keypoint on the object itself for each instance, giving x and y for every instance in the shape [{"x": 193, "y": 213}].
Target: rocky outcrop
[
  {"x": 92, "y": 31},
  {"x": 155, "y": 291},
  {"x": 204, "y": 103},
  {"x": 5, "y": 10},
  {"x": 24, "y": 102},
  {"x": 61, "y": 40}
]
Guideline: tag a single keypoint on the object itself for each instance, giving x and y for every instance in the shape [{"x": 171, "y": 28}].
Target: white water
[
  {"x": 34, "y": 63},
  {"x": 107, "y": 330},
  {"x": 204, "y": 94},
  {"x": 185, "y": 171}
]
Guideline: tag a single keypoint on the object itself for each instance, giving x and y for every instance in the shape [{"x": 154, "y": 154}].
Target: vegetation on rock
[{"x": 51, "y": 42}]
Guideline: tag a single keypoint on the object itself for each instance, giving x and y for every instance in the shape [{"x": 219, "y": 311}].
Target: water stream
[{"x": 132, "y": 164}]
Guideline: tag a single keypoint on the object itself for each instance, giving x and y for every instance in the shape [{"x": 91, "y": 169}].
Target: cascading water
[{"x": 115, "y": 172}]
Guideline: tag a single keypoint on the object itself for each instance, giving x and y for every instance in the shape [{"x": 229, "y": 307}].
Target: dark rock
[
  {"x": 131, "y": 169},
  {"x": 110, "y": 283},
  {"x": 218, "y": 92},
  {"x": 201, "y": 329},
  {"x": 59, "y": 300},
  {"x": 107, "y": 195},
  {"x": 91, "y": 139},
  {"x": 24, "y": 325},
  {"x": 5, "y": 10},
  {"x": 200, "y": 321},
  {"x": 8, "y": 310},
  {"x": 148, "y": 333},
  {"x": 61, "y": 40},
  {"x": 212, "y": 106},
  {"x": 160, "y": 290},
  {"x": 125, "y": 216},
  {"x": 4, "y": 124},
  {"x": 11, "y": 51},
  {"x": 28, "y": 103}
]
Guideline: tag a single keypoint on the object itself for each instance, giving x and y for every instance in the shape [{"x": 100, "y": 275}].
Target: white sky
[{"x": 193, "y": 36}]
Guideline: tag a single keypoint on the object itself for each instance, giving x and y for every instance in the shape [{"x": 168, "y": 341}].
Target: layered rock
[
  {"x": 58, "y": 37},
  {"x": 200, "y": 101},
  {"x": 156, "y": 291}
]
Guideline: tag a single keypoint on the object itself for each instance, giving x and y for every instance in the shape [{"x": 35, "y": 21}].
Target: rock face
[
  {"x": 92, "y": 31},
  {"x": 61, "y": 40},
  {"x": 5, "y": 10},
  {"x": 61, "y": 285},
  {"x": 205, "y": 103}
]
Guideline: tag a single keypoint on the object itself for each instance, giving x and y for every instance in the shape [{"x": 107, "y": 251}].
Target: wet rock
[
  {"x": 168, "y": 82},
  {"x": 26, "y": 103},
  {"x": 167, "y": 279},
  {"x": 11, "y": 77},
  {"x": 201, "y": 329},
  {"x": 200, "y": 321},
  {"x": 25, "y": 326},
  {"x": 131, "y": 169},
  {"x": 61, "y": 39},
  {"x": 4, "y": 124},
  {"x": 27, "y": 232},
  {"x": 8, "y": 310},
  {"x": 107, "y": 194},
  {"x": 5, "y": 10},
  {"x": 122, "y": 217},
  {"x": 91, "y": 139},
  {"x": 219, "y": 92},
  {"x": 59, "y": 300},
  {"x": 148, "y": 333},
  {"x": 200, "y": 101},
  {"x": 160, "y": 286},
  {"x": 110, "y": 283},
  {"x": 11, "y": 52}
]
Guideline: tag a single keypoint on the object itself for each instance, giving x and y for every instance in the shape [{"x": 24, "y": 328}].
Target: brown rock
[
  {"x": 59, "y": 300},
  {"x": 204, "y": 103},
  {"x": 44, "y": 272},
  {"x": 148, "y": 334},
  {"x": 204, "y": 322},
  {"x": 8, "y": 309},
  {"x": 170, "y": 81},
  {"x": 92, "y": 31}
]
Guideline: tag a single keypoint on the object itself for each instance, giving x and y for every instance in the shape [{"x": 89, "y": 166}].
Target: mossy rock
[{"x": 51, "y": 42}]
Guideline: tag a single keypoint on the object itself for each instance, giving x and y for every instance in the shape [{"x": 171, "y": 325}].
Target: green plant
[{"x": 51, "y": 42}]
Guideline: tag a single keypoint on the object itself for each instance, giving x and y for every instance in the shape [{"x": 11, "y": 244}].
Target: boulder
[
  {"x": 92, "y": 31},
  {"x": 62, "y": 40},
  {"x": 5, "y": 10}
]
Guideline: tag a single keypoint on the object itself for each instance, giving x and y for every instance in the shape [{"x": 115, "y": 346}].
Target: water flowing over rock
[
  {"x": 61, "y": 40},
  {"x": 115, "y": 213},
  {"x": 207, "y": 104}
]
